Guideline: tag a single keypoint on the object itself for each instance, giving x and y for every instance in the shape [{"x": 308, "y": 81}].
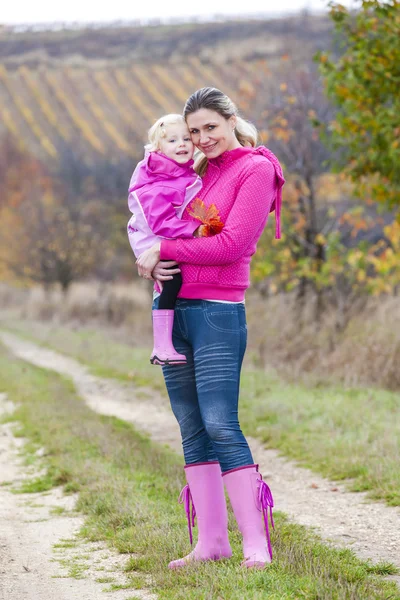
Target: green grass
[
  {"x": 66, "y": 543},
  {"x": 128, "y": 491},
  {"x": 58, "y": 511},
  {"x": 351, "y": 434},
  {"x": 96, "y": 349},
  {"x": 105, "y": 580},
  {"x": 341, "y": 433}
]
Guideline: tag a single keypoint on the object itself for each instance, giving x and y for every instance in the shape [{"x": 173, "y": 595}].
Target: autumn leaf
[{"x": 208, "y": 216}]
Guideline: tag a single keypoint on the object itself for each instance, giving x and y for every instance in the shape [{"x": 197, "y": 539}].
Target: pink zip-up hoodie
[
  {"x": 159, "y": 191},
  {"x": 245, "y": 185}
]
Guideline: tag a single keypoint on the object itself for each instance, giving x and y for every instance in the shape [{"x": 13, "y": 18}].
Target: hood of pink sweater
[
  {"x": 156, "y": 168},
  {"x": 279, "y": 179}
]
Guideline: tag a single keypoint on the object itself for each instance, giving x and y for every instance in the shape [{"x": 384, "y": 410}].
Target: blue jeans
[{"x": 204, "y": 393}]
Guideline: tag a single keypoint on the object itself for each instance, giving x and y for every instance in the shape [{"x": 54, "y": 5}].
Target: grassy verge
[
  {"x": 128, "y": 488},
  {"x": 341, "y": 433},
  {"x": 94, "y": 348}
]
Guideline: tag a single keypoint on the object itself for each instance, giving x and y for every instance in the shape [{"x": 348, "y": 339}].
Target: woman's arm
[
  {"x": 150, "y": 266},
  {"x": 243, "y": 226}
]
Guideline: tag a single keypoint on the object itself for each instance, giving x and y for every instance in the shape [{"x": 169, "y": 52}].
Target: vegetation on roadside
[
  {"x": 364, "y": 84},
  {"x": 351, "y": 433},
  {"x": 128, "y": 487}
]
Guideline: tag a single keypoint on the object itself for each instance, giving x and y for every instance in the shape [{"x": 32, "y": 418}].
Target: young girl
[{"x": 161, "y": 187}]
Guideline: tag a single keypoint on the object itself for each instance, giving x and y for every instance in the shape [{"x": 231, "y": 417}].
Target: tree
[
  {"x": 363, "y": 82},
  {"x": 296, "y": 110},
  {"x": 336, "y": 249},
  {"x": 50, "y": 231}
]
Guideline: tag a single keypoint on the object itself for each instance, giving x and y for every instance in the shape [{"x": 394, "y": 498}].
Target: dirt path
[
  {"x": 372, "y": 530},
  {"x": 31, "y": 568}
]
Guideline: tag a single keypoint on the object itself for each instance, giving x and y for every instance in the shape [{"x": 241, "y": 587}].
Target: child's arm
[{"x": 160, "y": 214}]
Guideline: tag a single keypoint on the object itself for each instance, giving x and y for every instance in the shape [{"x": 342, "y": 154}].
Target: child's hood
[{"x": 156, "y": 167}]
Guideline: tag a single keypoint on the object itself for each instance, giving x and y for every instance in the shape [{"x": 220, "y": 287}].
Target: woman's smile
[
  {"x": 211, "y": 132},
  {"x": 208, "y": 147}
]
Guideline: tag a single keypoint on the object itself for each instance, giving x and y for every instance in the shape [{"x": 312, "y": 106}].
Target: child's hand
[
  {"x": 201, "y": 231},
  {"x": 208, "y": 229}
]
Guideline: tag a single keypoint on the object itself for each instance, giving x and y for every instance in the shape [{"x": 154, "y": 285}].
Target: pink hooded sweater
[
  {"x": 159, "y": 191},
  {"x": 245, "y": 185}
]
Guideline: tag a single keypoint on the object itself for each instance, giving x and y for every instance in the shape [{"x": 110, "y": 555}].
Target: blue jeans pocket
[{"x": 221, "y": 318}]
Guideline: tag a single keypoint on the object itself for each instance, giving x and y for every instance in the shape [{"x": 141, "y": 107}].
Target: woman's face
[{"x": 211, "y": 133}]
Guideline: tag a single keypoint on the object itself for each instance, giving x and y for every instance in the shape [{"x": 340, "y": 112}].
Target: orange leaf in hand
[
  {"x": 198, "y": 210},
  {"x": 208, "y": 216}
]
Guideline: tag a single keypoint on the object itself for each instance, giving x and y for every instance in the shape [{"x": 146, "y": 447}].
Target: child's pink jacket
[
  {"x": 245, "y": 185},
  {"x": 159, "y": 191}
]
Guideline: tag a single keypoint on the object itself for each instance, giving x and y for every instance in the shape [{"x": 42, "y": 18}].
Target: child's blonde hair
[{"x": 158, "y": 131}]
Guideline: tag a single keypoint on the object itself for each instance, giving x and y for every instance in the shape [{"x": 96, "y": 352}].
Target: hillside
[
  {"x": 97, "y": 90},
  {"x": 219, "y": 40},
  {"x": 105, "y": 110}
]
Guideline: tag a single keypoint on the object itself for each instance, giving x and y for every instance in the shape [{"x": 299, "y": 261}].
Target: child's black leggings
[{"x": 170, "y": 292}]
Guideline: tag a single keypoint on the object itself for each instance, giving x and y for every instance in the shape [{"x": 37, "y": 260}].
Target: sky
[{"x": 45, "y": 11}]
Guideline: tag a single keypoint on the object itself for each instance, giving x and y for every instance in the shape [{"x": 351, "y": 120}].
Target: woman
[{"x": 245, "y": 184}]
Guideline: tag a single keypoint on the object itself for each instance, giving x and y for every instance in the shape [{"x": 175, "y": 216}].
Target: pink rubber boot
[
  {"x": 250, "y": 496},
  {"x": 164, "y": 352},
  {"x": 205, "y": 490}
]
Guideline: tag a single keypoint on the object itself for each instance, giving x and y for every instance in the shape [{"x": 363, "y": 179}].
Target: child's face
[{"x": 177, "y": 143}]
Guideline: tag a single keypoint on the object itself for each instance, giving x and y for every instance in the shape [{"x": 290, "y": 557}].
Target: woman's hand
[
  {"x": 161, "y": 272},
  {"x": 148, "y": 260}
]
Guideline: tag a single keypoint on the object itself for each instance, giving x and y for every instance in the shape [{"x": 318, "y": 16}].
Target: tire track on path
[{"x": 347, "y": 519}]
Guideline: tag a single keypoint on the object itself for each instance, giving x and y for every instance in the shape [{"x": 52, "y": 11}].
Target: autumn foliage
[
  {"x": 364, "y": 85},
  {"x": 47, "y": 233}
]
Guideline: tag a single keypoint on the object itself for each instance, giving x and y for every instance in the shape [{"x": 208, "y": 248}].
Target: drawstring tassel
[
  {"x": 186, "y": 499},
  {"x": 267, "y": 502},
  {"x": 280, "y": 180},
  {"x": 278, "y": 206}
]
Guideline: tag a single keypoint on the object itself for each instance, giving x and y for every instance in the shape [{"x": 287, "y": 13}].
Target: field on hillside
[
  {"x": 97, "y": 91},
  {"x": 106, "y": 111}
]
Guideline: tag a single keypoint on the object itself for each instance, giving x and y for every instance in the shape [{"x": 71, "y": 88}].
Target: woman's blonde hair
[
  {"x": 158, "y": 131},
  {"x": 213, "y": 99}
]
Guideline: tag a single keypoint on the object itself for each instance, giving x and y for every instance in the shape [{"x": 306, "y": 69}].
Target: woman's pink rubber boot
[
  {"x": 251, "y": 500},
  {"x": 204, "y": 498}
]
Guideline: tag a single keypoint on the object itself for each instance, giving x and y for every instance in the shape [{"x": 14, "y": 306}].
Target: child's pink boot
[{"x": 164, "y": 352}]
